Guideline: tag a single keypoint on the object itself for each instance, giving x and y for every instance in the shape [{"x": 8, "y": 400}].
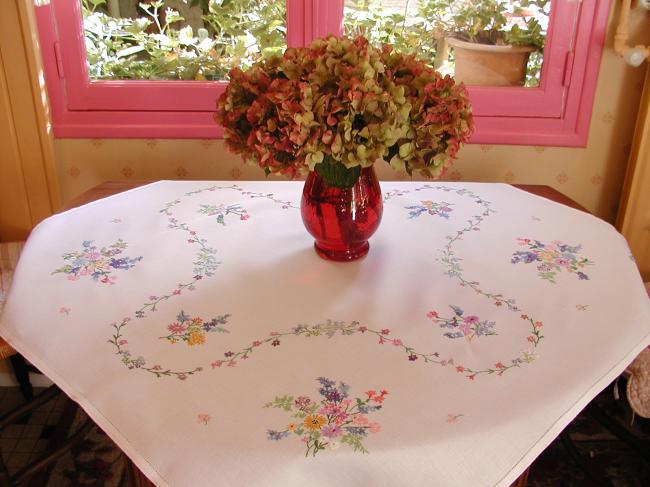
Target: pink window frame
[{"x": 556, "y": 113}]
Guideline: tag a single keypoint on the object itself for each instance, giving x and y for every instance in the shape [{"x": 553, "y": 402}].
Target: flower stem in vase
[{"x": 341, "y": 208}]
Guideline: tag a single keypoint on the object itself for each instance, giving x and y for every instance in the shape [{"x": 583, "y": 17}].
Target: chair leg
[
  {"x": 5, "y": 478},
  {"x": 52, "y": 454},
  {"x": 637, "y": 444},
  {"x": 593, "y": 478},
  {"x": 21, "y": 370}
]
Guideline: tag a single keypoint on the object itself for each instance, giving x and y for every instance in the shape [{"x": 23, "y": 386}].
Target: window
[{"x": 168, "y": 87}]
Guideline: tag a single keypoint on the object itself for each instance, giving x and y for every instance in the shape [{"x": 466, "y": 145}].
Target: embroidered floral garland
[
  {"x": 468, "y": 326},
  {"x": 193, "y": 330},
  {"x": 454, "y": 270},
  {"x": 441, "y": 209},
  {"x": 205, "y": 265},
  {"x": 220, "y": 211}
]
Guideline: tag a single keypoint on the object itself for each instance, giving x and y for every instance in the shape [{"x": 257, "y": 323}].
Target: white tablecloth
[{"x": 196, "y": 325}]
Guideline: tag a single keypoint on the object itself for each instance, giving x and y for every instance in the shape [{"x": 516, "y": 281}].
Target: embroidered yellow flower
[
  {"x": 314, "y": 421},
  {"x": 292, "y": 426},
  {"x": 196, "y": 338}
]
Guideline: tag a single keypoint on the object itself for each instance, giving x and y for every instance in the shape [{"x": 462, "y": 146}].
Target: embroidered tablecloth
[{"x": 196, "y": 325}]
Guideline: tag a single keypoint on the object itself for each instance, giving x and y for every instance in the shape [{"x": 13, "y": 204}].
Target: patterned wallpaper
[{"x": 593, "y": 176}]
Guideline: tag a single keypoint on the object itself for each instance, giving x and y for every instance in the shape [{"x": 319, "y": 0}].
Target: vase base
[{"x": 342, "y": 255}]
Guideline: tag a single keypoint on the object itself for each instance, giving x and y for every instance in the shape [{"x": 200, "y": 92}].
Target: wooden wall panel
[
  {"x": 634, "y": 215},
  {"x": 28, "y": 186}
]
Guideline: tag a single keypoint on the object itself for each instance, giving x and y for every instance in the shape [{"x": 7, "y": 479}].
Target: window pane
[
  {"x": 179, "y": 39},
  {"x": 460, "y": 36}
]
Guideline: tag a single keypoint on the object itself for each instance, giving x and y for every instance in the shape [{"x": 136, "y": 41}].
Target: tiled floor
[
  {"x": 93, "y": 461},
  {"x": 27, "y": 439}
]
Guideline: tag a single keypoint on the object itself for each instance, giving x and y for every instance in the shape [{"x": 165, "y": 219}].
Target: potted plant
[
  {"x": 492, "y": 39},
  {"x": 329, "y": 112}
]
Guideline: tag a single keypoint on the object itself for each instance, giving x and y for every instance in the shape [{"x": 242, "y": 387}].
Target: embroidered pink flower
[
  {"x": 375, "y": 427},
  {"x": 360, "y": 420},
  {"x": 203, "y": 418},
  {"x": 472, "y": 320},
  {"x": 379, "y": 398},
  {"x": 330, "y": 409},
  {"x": 454, "y": 418},
  {"x": 331, "y": 431},
  {"x": 397, "y": 342},
  {"x": 302, "y": 402},
  {"x": 341, "y": 418},
  {"x": 432, "y": 314},
  {"x": 177, "y": 327}
]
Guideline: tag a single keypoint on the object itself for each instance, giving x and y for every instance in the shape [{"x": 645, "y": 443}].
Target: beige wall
[{"x": 593, "y": 176}]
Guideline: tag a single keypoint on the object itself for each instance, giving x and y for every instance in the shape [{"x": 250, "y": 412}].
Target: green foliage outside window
[
  {"x": 488, "y": 21},
  {"x": 420, "y": 25},
  {"x": 391, "y": 26},
  {"x": 156, "y": 45}
]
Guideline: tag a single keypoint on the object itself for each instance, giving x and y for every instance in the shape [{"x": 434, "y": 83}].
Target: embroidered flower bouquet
[{"x": 329, "y": 112}]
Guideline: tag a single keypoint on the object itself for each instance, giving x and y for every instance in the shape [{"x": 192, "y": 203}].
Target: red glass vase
[{"x": 342, "y": 219}]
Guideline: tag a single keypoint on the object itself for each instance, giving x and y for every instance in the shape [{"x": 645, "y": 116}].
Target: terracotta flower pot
[{"x": 488, "y": 65}]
